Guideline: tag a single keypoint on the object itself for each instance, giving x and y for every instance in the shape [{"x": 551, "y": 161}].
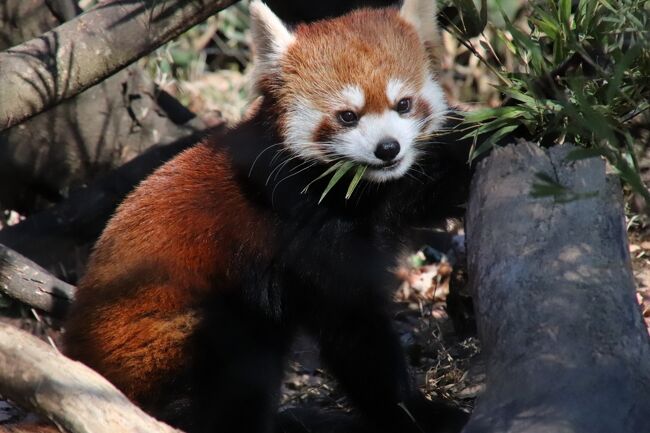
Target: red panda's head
[{"x": 360, "y": 87}]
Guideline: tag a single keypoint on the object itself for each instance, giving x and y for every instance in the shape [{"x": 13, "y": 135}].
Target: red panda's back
[{"x": 170, "y": 244}]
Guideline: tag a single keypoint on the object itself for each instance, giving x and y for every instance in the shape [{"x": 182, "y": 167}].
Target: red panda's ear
[
  {"x": 271, "y": 38},
  {"x": 422, "y": 14}
]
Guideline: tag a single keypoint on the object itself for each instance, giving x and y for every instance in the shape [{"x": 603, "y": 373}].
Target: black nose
[{"x": 387, "y": 150}]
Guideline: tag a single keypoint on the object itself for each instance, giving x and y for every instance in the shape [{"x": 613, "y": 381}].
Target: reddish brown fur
[
  {"x": 367, "y": 47},
  {"x": 29, "y": 427},
  {"x": 180, "y": 231},
  {"x": 177, "y": 232},
  {"x": 422, "y": 109},
  {"x": 325, "y": 131}
]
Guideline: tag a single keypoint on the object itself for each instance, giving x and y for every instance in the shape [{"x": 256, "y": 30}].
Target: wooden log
[
  {"x": 36, "y": 376},
  {"x": 566, "y": 348}
]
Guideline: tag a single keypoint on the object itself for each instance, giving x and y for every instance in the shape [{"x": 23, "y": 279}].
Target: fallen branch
[
  {"x": 35, "y": 376},
  {"x": 61, "y": 63},
  {"x": 27, "y": 282},
  {"x": 555, "y": 303}
]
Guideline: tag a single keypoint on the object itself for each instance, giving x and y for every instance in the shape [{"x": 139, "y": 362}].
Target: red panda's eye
[
  {"x": 348, "y": 118},
  {"x": 403, "y": 106}
]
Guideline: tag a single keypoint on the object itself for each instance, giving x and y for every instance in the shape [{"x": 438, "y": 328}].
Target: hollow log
[{"x": 566, "y": 348}]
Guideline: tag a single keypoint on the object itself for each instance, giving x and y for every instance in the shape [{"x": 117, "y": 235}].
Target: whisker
[
  {"x": 275, "y": 187},
  {"x": 250, "y": 172}
]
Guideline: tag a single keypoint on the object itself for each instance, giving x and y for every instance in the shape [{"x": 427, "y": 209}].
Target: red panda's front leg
[
  {"x": 238, "y": 368},
  {"x": 364, "y": 353}
]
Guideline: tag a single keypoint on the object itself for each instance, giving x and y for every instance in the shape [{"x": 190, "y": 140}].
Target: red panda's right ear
[{"x": 271, "y": 38}]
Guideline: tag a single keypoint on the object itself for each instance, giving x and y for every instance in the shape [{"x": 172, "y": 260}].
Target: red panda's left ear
[
  {"x": 271, "y": 38},
  {"x": 423, "y": 15}
]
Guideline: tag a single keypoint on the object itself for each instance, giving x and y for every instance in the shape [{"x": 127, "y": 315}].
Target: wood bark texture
[
  {"x": 25, "y": 281},
  {"x": 566, "y": 348},
  {"x": 82, "y": 52},
  {"x": 35, "y": 375}
]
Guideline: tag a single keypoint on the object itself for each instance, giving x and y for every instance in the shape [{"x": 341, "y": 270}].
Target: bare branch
[
  {"x": 24, "y": 280},
  {"x": 84, "y": 51}
]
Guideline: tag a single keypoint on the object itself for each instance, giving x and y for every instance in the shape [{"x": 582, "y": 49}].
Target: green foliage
[
  {"x": 219, "y": 43},
  {"x": 470, "y": 20},
  {"x": 583, "y": 75}
]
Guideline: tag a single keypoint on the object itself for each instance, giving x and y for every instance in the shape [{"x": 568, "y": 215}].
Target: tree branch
[
  {"x": 37, "y": 377},
  {"x": 27, "y": 282},
  {"x": 61, "y": 63}
]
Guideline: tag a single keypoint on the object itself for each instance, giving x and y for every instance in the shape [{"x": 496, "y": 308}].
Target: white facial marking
[
  {"x": 359, "y": 144},
  {"x": 395, "y": 90},
  {"x": 271, "y": 38},
  {"x": 353, "y": 96},
  {"x": 432, "y": 93},
  {"x": 302, "y": 120}
]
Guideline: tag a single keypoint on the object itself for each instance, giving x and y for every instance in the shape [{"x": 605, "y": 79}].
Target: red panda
[{"x": 206, "y": 271}]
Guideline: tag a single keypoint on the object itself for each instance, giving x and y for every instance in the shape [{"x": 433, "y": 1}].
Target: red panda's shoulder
[{"x": 182, "y": 222}]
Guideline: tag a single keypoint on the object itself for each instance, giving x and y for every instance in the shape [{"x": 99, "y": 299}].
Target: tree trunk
[{"x": 566, "y": 348}]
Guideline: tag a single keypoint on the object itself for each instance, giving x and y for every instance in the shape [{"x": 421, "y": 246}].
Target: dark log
[
  {"x": 25, "y": 281},
  {"x": 69, "y": 145},
  {"x": 566, "y": 347},
  {"x": 36, "y": 376},
  {"x": 60, "y": 238},
  {"x": 80, "y": 53}
]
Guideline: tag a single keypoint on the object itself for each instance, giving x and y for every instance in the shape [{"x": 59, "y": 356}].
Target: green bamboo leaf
[
  {"x": 340, "y": 172},
  {"x": 472, "y": 21},
  {"x": 361, "y": 169},
  {"x": 325, "y": 173},
  {"x": 583, "y": 153},
  {"x": 564, "y": 11},
  {"x": 484, "y": 114},
  {"x": 532, "y": 48},
  {"x": 487, "y": 144}
]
